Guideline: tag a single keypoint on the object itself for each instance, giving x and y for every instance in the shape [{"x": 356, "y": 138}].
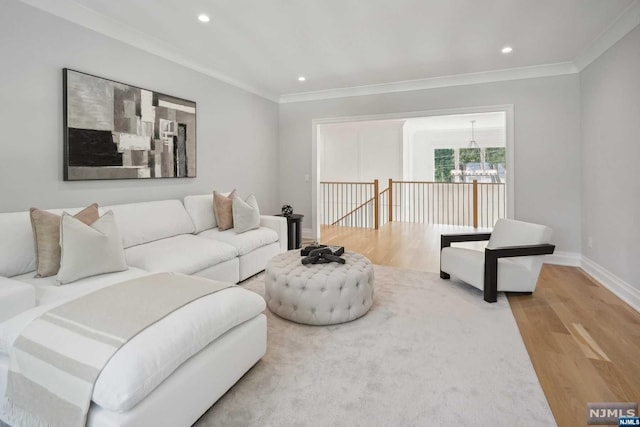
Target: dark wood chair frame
[{"x": 491, "y": 257}]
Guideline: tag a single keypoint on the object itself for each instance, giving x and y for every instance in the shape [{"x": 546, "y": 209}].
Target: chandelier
[
  {"x": 473, "y": 144},
  {"x": 467, "y": 174}
]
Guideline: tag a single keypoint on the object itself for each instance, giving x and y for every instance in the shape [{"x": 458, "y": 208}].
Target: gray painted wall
[
  {"x": 610, "y": 89},
  {"x": 547, "y": 143},
  {"x": 237, "y": 132}
]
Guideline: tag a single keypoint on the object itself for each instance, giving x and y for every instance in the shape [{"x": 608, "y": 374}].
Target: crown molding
[
  {"x": 88, "y": 18},
  {"x": 547, "y": 70},
  {"x": 628, "y": 19},
  {"x": 624, "y": 23}
]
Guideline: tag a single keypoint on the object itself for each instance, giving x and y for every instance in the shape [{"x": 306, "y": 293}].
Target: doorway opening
[{"x": 451, "y": 168}]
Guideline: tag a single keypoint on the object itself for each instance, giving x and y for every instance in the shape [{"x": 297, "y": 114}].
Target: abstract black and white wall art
[{"x": 117, "y": 131}]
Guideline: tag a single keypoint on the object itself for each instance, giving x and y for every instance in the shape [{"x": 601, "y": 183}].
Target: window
[
  {"x": 468, "y": 164},
  {"x": 444, "y": 163}
]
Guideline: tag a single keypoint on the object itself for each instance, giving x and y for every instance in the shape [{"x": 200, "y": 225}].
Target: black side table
[{"x": 294, "y": 230}]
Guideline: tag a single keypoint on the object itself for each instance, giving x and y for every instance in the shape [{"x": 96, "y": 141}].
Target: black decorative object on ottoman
[
  {"x": 322, "y": 256},
  {"x": 335, "y": 250}
]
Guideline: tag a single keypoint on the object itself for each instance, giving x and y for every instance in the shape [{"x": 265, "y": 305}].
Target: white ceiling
[{"x": 264, "y": 45}]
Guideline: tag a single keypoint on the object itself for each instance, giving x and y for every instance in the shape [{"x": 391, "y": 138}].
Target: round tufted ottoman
[{"x": 319, "y": 294}]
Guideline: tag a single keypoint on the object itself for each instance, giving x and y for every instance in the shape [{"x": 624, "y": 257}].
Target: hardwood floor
[
  {"x": 398, "y": 244},
  {"x": 583, "y": 341}
]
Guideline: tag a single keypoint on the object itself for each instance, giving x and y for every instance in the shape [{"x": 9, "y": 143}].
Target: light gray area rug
[{"x": 430, "y": 352}]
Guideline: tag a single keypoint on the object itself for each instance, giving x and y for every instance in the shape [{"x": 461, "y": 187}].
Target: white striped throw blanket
[{"x": 58, "y": 357}]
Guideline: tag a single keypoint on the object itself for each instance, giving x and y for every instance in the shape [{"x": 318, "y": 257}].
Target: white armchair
[{"x": 510, "y": 262}]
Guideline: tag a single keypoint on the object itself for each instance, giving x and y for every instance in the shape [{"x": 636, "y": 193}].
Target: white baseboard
[
  {"x": 569, "y": 259},
  {"x": 623, "y": 290}
]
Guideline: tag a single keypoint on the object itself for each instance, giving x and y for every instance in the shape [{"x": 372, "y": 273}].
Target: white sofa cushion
[
  {"x": 15, "y": 297},
  {"x": 200, "y": 209},
  {"x": 146, "y": 222},
  {"x": 244, "y": 242},
  {"x": 17, "y": 253},
  {"x": 88, "y": 250},
  {"x": 186, "y": 254}
]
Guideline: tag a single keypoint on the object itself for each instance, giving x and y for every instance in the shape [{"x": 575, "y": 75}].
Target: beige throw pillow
[
  {"x": 223, "y": 209},
  {"x": 88, "y": 250},
  {"x": 46, "y": 237},
  {"x": 246, "y": 214}
]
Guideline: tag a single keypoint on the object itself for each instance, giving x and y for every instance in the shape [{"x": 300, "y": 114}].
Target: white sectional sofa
[
  {"x": 159, "y": 236},
  {"x": 171, "y": 236},
  {"x": 254, "y": 248}
]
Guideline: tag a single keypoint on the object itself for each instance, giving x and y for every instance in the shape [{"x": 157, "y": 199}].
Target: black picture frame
[{"x": 114, "y": 130}]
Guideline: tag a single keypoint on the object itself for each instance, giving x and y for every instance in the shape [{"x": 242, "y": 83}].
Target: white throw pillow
[
  {"x": 88, "y": 250},
  {"x": 246, "y": 214}
]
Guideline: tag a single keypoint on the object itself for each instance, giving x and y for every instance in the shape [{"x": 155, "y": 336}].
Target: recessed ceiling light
[
  {"x": 302, "y": 79},
  {"x": 507, "y": 49},
  {"x": 203, "y": 18}
]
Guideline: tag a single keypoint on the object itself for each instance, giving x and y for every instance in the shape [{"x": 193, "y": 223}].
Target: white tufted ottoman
[{"x": 319, "y": 294}]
